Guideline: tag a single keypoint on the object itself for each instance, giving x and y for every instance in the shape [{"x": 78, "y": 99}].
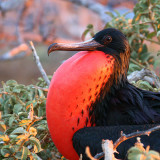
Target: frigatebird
[{"x": 90, "y": 99}]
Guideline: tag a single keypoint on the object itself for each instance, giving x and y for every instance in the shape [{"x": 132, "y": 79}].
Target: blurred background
[{"x": 45, "y": 22}]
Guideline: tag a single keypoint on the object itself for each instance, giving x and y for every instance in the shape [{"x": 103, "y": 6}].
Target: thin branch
[
  {"x": 16, "y": 52},
  {"x": 95, "y": 7},
  {"x": 134, "y": 134},
  {"x": 89, "y": 155},
  {"x": 150, "y": 40},
  {"x": 99, "y": 155},
  {"x": 135, "y": 62},
  {"x": 43, "y": 89},
  {"x": 39, "y": 64},
  {"x": 124, "y": 138}
]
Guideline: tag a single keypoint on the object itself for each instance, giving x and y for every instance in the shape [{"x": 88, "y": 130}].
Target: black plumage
[
  {"x": 119, "y": 103},
  {"x": 92, "y": 137}
]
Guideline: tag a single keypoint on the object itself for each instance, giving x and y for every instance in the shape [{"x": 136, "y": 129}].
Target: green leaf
[
  {"x": 144, "y": 85},
  {"x": 11, "y": 120},
  {"x": 2, "y": 125},
  {"x": 88, "y": 30},
  {"x": 133, "y": 67},
  {"x": 35, "y": 156},
  {"x": 151, "y": 35},
  {"x": 18, "y": 155},
  {"x": 124, "y": 15},
  {"x": 154, "y": 153},
  {"x": 90, "y": 26},
  {"x": 41, "y": 128},
  {"x": 144, "y": 57},
  {"x": 151, "y": 60},
  {"x": 158, "y": 53},
  {"x": 25, "y": 122},
  {"x": 13, "y": 136},
  {"x": 110, "y": 14},
  {"x": 36, "y": 143},
  {"x": 19, "y": 130},
  {"x": 158, "y": 33},
  {"x": 5, "y": 151},
  {"x": 134, "y": 153},
  {"x": 17, "y": 108},
  {"x": 118, "y": 14},
  {"x": 23, "y": 114},
  {"x": 41, "y": 94},
  {"x": 19, "y": 88},
  {"x": 11, "y": 83},
  {"x": 25, "y": 153}
]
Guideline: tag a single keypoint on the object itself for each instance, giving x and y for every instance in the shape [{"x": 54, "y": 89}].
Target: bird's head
[
  {"x": 113, "y": 41},
  {"x": 110, "y": 41}
]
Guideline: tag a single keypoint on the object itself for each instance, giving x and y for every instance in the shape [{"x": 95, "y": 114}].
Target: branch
[
  {"x": 43, "y": 89},
  {"x": 145, "y": 75},
  {"x": 112, "y": 148},
  {"x": 150, "y": 40},
  {"x": 39, "y": 64},
  {"x": 16, "y": 52},
  {"x": 95, "y": 7},
  {"x": 134, "y": 134}
]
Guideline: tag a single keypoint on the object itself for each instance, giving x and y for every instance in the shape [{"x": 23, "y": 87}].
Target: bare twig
[
  {"x": 88, "y": 153},
  {"x": 16, "y": 52},
  {"x": 150, "y": 40},
  {"x": 95, "y": 7},
  {"x": 39, "y": 64},
  {"x": 99, "y": 155},
  {"x": 134, "y": 134},
  {"x": 124, "y": 138},
  {"x": 37, "y": 87},
  {"x": 135, "y": 62},
  {"x": 145, "y": 75}
]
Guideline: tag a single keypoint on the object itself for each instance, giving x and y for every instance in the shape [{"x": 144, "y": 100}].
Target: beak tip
[{"x": 51, "y": 48}]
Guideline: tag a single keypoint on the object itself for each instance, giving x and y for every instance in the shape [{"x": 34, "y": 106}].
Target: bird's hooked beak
[{"x": 89, "y": 45}]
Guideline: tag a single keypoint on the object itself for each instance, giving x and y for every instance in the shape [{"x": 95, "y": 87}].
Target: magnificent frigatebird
[{"x": 91, "y": 89}]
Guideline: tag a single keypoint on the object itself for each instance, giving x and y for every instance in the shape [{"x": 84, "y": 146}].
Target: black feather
[
  {"x": 118, "y": 104},
  {"x": 92, "y": 137}
]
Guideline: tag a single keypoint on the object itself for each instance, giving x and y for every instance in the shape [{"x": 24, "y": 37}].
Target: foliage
[
  {"x": 24, "y": 131},
  {"x": 138, "y": 152},
  {"x": 144, "y": 27},
  {"x": 145, "y": 85}
]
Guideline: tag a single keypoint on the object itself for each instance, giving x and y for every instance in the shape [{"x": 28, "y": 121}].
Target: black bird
[{"x": 91, "y": 89}]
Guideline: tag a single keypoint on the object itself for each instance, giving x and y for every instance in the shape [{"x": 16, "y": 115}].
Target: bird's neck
[{"x": 117, "y": 80}]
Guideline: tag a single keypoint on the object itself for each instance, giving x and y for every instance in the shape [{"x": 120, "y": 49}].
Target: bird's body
[{"x": 91, "y": 89}]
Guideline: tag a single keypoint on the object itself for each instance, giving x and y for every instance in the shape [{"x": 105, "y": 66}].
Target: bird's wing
[
  {"x": 139, "y": 105},
  {"x": 92, "y": 137}
]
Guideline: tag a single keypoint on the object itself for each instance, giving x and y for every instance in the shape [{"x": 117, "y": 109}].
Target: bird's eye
[{"x": 107, "y": 39}]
